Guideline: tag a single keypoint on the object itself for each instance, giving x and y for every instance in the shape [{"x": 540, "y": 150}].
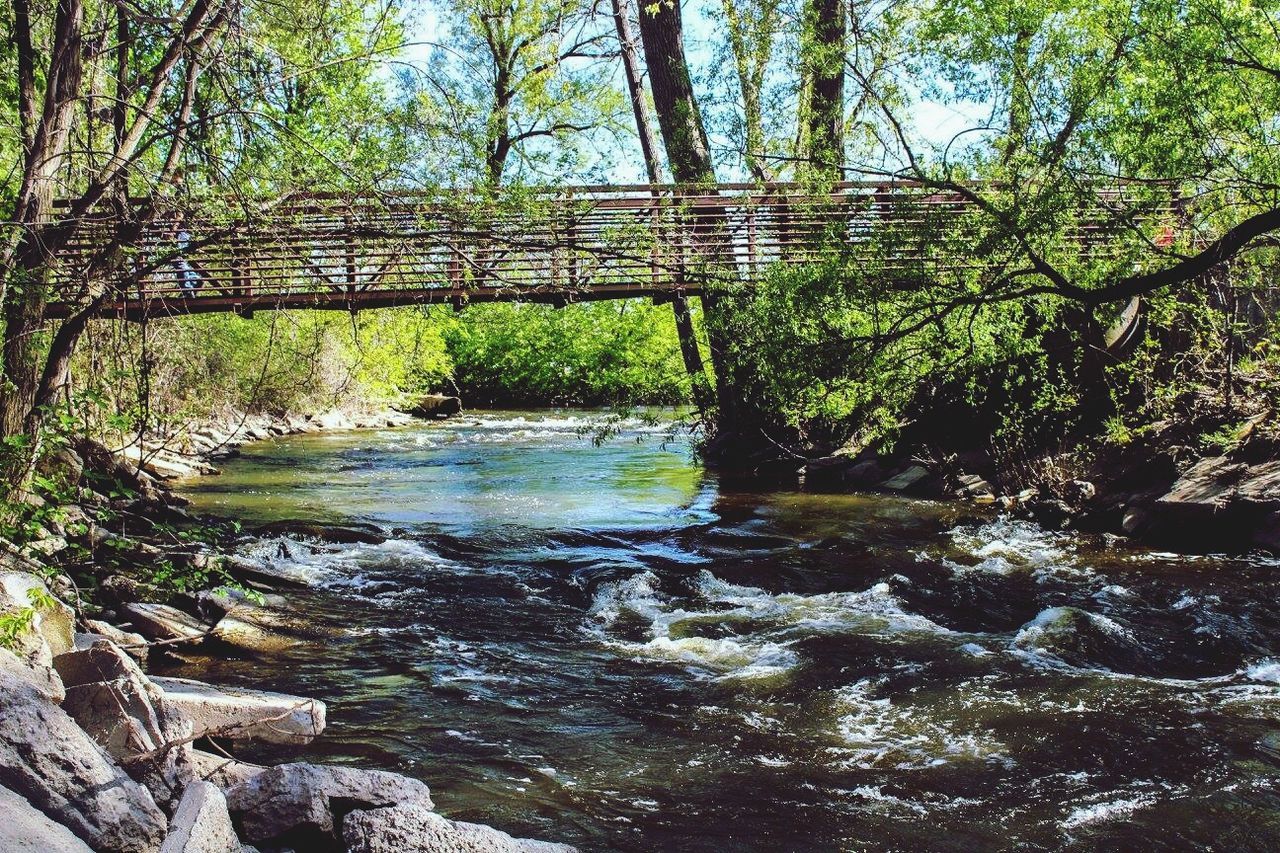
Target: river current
[{"x": 605, "y": 646}]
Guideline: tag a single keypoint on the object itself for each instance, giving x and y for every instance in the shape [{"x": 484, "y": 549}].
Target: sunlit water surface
[{"x": 604, "y": 646}]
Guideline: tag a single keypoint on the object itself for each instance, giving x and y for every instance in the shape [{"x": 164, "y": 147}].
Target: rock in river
[{"x": 242, "y": 714}]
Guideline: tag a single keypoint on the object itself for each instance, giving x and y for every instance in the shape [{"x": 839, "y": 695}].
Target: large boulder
[
  {"x": 202, "y": 823},
  {"x": 411, "y": 828},
  {"x": 1219, "y": 501},
  {"x": 59, "y": 769},
  {"x": 162, "y": 622},
  {"x": 242, "y": 714},
  {"x": 1207, "y": 487},
  {"x": 302, "y": 805},
  {"x": 46, "y": 626},
  {"x": 434, "y": 406},
  {"x": 25, "y": 829},
  {"x": 45, "y": 681},
  {"x": 128, "y": 716}
]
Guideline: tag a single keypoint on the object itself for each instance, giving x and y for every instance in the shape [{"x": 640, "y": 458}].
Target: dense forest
[{"x": 1151, "y": 124}]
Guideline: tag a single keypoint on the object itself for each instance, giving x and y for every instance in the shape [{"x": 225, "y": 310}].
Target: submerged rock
[
  {"x": 302, "y": 805},
  {"x": 243, "y": 714},
  {"x": 413, "y": 829},
  {"x": 202, "y": 823},
  {"x": 25, "y": 829},
  {"x": 59, "y": 769},
  {"x": 1080, "y": 638}
]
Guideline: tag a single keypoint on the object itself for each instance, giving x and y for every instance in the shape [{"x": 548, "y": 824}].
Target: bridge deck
[{"x": 576, "y": 244}]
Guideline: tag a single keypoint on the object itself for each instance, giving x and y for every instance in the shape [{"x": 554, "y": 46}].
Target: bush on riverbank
[
  {"x": 187, "y": 368},
  {"x": 592, "y": 354},
  {"x": 819, "y": 367},
  {"x": 166, "y": 373}
]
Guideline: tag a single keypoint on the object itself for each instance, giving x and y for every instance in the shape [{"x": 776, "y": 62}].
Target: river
[{"x": 603, "y": 645}]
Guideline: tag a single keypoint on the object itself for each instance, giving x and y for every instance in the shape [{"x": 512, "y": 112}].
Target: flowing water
[{"x": 602, "y": 645}]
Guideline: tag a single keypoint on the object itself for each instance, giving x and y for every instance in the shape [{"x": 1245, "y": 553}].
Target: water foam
[
  {"x": 877, "y": 733},
  {"x": 1106, "y": 811},
  {"x": 754, "y": 628},
  {"x": 339, "y": 566},
  {"x": 1007, "y": 546}
]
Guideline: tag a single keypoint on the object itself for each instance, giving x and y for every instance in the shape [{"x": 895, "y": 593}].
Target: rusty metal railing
[{"x": 577, "y": 244}]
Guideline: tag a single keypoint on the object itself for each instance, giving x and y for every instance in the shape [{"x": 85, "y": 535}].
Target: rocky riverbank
[
  {"x": 1166, "y": 488},
  {"x": 99, "y": 755}
]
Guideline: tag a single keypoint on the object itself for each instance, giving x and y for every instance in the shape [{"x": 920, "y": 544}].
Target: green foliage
[
  {"x": 813, "y": 355},
  {"x": 167, "y": 373},
  {"x": 591, "y": 354},
  {"x": 15, "y": 623}
]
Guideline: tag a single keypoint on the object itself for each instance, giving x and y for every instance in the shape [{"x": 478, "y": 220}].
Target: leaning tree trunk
[
  {"x": 685, "y": 331},
  {"x": 689, "y": 154},
  {"x": 46, "y": 130}
]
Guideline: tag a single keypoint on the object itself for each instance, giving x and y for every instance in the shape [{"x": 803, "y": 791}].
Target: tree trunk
[
  {"x": 822, "y": 101},
  {"x": 689, "y": 350},
  {"x": 689, "y": 155}
]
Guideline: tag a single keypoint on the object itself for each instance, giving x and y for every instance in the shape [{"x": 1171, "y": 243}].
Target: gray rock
[
  {"x": 414, "y": 829},
  {"x": 242, "y": 714},
  {"x": 47, "y": 545},
  {"x": 133, "y": 644},
  {"x": 25, "y": 829},
  {"x": 303, "y": 804},
  {"x": 44, "y": 679},
  {"x": 1208, "y": 485},
  {"x": 434, "y": 406},
  {"x": 128, "y": 716},
  {"x": 332, "y": 420},
  {"x": 1135, "y": 520},
  {"x": 973, "y": 486},
  {"x": 57, "y": 767},
  {"x": 1260, "y": 486},
  {"x": 202, "y": 823},
  {"x": 245, "y": 629},
  {"x": 162, "y": 622}
]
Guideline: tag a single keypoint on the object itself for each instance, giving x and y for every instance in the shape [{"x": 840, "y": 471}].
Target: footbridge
[{"x": 328, "y": 251}]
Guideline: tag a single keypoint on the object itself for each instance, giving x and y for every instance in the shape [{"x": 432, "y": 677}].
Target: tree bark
[
  {"x": 685, "y": 332},
  {"x": 822, "y": 101},
  {"x": 689, "y": 155}
]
